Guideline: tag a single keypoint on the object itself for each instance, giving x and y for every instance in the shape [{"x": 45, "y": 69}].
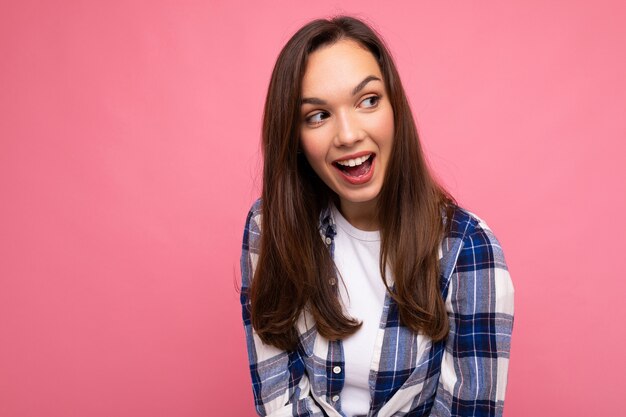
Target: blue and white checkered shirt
[{"x": 463, "y": 375}]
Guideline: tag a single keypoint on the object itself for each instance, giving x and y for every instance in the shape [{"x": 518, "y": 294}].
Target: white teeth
[{"x": 354, "y": 162}]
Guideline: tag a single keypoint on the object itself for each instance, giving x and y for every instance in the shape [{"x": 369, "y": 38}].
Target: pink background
[{"x": 129, "y": 156}]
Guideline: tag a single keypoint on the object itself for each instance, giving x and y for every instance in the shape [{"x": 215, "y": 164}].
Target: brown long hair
[{"x": 294, "y": 265}]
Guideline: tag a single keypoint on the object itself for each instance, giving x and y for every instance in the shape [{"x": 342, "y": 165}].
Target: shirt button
[
  {"x": 332, "y": 281},
  {"x": 328, "y": 240},
  {"x": 335, "y": 398},
  {"x": 337, "y": 369}
]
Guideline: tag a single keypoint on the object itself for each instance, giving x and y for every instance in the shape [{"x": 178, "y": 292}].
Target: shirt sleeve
[
  {"x": 480, "y": 309},
  {"x": 279, "y": 381}
]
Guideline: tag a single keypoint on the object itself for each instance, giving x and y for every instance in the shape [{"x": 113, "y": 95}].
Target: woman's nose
[{"x": 348, "y": 129}]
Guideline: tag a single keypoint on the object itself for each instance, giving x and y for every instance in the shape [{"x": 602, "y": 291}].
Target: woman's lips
[{"x": 360, "y": 174}]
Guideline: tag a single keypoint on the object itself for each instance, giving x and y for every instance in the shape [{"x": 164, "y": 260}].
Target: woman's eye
[
  {"x": 316, "y": 118},
  {"x": 371, "y": 101}
]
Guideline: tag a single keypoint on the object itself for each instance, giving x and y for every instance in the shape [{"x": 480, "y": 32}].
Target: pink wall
[{"x": 129, "y": 156}]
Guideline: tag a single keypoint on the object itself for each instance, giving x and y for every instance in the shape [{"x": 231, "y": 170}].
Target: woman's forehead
[{"x": 338, "y": 68}]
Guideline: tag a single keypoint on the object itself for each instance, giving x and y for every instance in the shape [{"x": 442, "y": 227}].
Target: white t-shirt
[{"x": 357, "y": 255}]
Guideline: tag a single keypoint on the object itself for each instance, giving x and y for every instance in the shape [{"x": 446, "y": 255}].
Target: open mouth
[{"x": 356, "y": 167}]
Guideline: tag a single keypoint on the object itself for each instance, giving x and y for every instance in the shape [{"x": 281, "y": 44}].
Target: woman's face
[{"x": 347, "y": 127}]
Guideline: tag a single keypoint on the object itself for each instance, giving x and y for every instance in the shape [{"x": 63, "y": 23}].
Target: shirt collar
[{"x": 327, "y": 227}]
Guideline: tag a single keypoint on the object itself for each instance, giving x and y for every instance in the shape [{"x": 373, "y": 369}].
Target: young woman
[{"x": 366, "y": 290}]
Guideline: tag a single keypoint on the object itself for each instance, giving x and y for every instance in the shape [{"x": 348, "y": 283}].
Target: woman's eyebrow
[
  {"x": 355, "y": 91},
  {"x": 363, "y": 83},
  {"x": 313, "y": 100}
]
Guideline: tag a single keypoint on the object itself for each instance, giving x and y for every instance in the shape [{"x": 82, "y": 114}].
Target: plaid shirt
[{"x": 463, "y": 375}]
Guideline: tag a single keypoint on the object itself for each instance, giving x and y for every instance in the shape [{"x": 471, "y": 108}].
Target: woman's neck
[{"x": 360, "y": 215}]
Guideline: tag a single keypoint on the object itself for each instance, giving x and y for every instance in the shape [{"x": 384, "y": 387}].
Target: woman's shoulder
[
  {"x": 464, "y": 223},
  {"x": 252, "y": 230},
  {"x": 475, "y": 239},
  {"x": 255, "y": 209}
]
